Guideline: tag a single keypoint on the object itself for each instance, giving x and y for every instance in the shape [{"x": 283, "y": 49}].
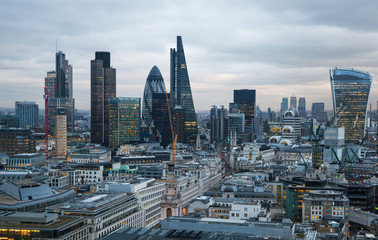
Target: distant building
[
  {"x": 27, "y": 113},
  {"x": 124, "y": 121},
  {"x": 218, "y": 124},
  {"x": 9, "y": 121},
  {"x": 121, "y": 174},
  {"x": 284, "y": 104},
  {"x": 293, "y": 102},
  {"x": 16, "y": 140},
  {"x": 291, "y": 129},
  {"x": 351, "y": 88},
  {"x": 302, "y": 107},
  {"x": 103, "y": 87},
  {"x": 317, "y": 112}
]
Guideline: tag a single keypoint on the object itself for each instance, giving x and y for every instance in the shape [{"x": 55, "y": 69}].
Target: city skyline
[{"x": 242, "y": 52}]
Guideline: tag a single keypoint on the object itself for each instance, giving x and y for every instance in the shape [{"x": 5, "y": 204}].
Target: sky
[{"x": 280, "y": 48}]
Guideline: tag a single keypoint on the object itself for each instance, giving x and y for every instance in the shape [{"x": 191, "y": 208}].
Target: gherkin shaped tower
[{"x": 154, "y": 84}]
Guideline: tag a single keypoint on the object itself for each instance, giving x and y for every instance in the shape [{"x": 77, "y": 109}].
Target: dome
[
  {"x": 291, "y": 112},
  {"x": 275, "y": 139},
  {"x": 287, "y": 129},
  {"x": 286, "y": 142}
]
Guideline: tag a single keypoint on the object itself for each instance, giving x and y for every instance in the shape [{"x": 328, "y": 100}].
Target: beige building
[{"x": 61, "y": 136}]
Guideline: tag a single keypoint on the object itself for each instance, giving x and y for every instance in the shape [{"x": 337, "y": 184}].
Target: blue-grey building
[
  {"x": 27, "y": 114},
  {"x": 351, "y": 89}
]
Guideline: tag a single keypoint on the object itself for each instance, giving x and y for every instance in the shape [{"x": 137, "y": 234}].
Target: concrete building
[
  {"x": 284, "y": 229},
  {"x": 103, "y": 212},
  {"x": 24, "y": 160},
  {"x": 61, "y": 134},
  {"x": 324, "y": 205},
  {"x": 91, "y": 154},
  {"x": 26, "y": 225},
  {"x": 121, "y": 174},
  {"x": 29, "y": 196}
]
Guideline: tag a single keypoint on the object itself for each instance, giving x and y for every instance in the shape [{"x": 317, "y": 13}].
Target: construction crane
[
  {"x": 46, "y": 97},
  {"x": 174, "y": 136}
]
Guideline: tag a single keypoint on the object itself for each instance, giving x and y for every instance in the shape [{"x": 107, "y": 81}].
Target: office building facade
[
  {"x": 103, "y": 87},
  {"x": 16, "y": 140},
  {"x": 27, "y": 113},
  {"x": 351, "y": 89},
  {"x": 61, "y": 134},
  {"x": 181, "y": 94},
  {"x": 245, "y": 102},
  {"x": 160, "y": 117},
  {"x": 124, "y": 121},
  {"x": 293, "y": 102}
]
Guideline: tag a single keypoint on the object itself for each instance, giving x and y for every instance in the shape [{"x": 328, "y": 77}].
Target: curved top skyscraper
[
  {"x": 181, "y": 93},
  {"x": 154, "y": 84},
  {"x": 351, "y": 88}
]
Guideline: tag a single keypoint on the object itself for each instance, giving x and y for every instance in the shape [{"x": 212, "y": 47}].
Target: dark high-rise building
[
  {"x": 154, "y": 84},
  {"x": 9, "y": 121},
  {"x": 103, "y": 87},
  {"x": 179, "y": 123},
  {"x": 351, "y": 88},
  {"x": 124, "y": 121},
  {"x": 218, "y": 124},
  {"x": 160, "y": 117},
  {"x": 181, "y": 94},
  {"x": 245, "y": 102},
  {"x": 16, "y": 140},
  {"x": 27, "y": 113},
  {"x": 293, "y": 102},
  {"x": 284, "y": 104},
  {"x": 317, "y": 112},
  {"x": 61, "y": 97},
  {"x": 302, "y": 107}
]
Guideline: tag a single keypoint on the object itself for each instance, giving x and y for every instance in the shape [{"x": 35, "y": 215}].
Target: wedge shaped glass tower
[
  {"x": 181, "y": 94},
  {"x": 154, "y": 84},
  {"x": 351, "y": 88}
]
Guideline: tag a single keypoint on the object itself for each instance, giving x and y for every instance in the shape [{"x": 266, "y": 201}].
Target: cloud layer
[{"x": 279, "y": 48}]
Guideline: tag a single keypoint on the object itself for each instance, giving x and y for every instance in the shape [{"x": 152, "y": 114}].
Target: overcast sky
[{"x": 280, "y": 48}]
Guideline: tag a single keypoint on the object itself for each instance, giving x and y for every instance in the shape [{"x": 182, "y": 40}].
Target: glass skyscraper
[
  {"x": 284, "y": 104},
  {"x": 124, "y": 121},
  {"x": 154, "y": 84},
  {"x": 181, "y": 94},
  {"x": 62, "y": 95},
  {"x": 103, "y": 87},
  {"x": 351, "y": 88}
]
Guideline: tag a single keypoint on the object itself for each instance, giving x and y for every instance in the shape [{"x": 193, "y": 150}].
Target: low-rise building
[
  {"x": 26, "y": 225},
  {"x": 324, "y": 205},
  {"x": 103, "y": 212},
  {"x": 121, "y": 174},
  {"x": 24, "y": 160}
]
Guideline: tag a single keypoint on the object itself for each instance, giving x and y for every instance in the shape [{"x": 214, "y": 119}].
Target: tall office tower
[
  {"x": 245, "y": 101},
  {"x": 103, "y": 87},
  {"x": 61, "y": 133},
  {"x": 27, "y": 114},
  {"x": 218, "y": 124},
  {"x": 124, "y": 121},
  {"x": 302, "y": 107},
  {"x": 284, "y": 104},
  {"x": 160, "y": 117},
  {"x": 293, "y": 102},
  {"x": 61, "y": 97},
  {"x": 179, "y": 123},
  {"x": 351, "y": 88},
  {"x": 181, "y": 94},
  {"x": 214, "y": 124},
  {"x": 154, "y": 84}
]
